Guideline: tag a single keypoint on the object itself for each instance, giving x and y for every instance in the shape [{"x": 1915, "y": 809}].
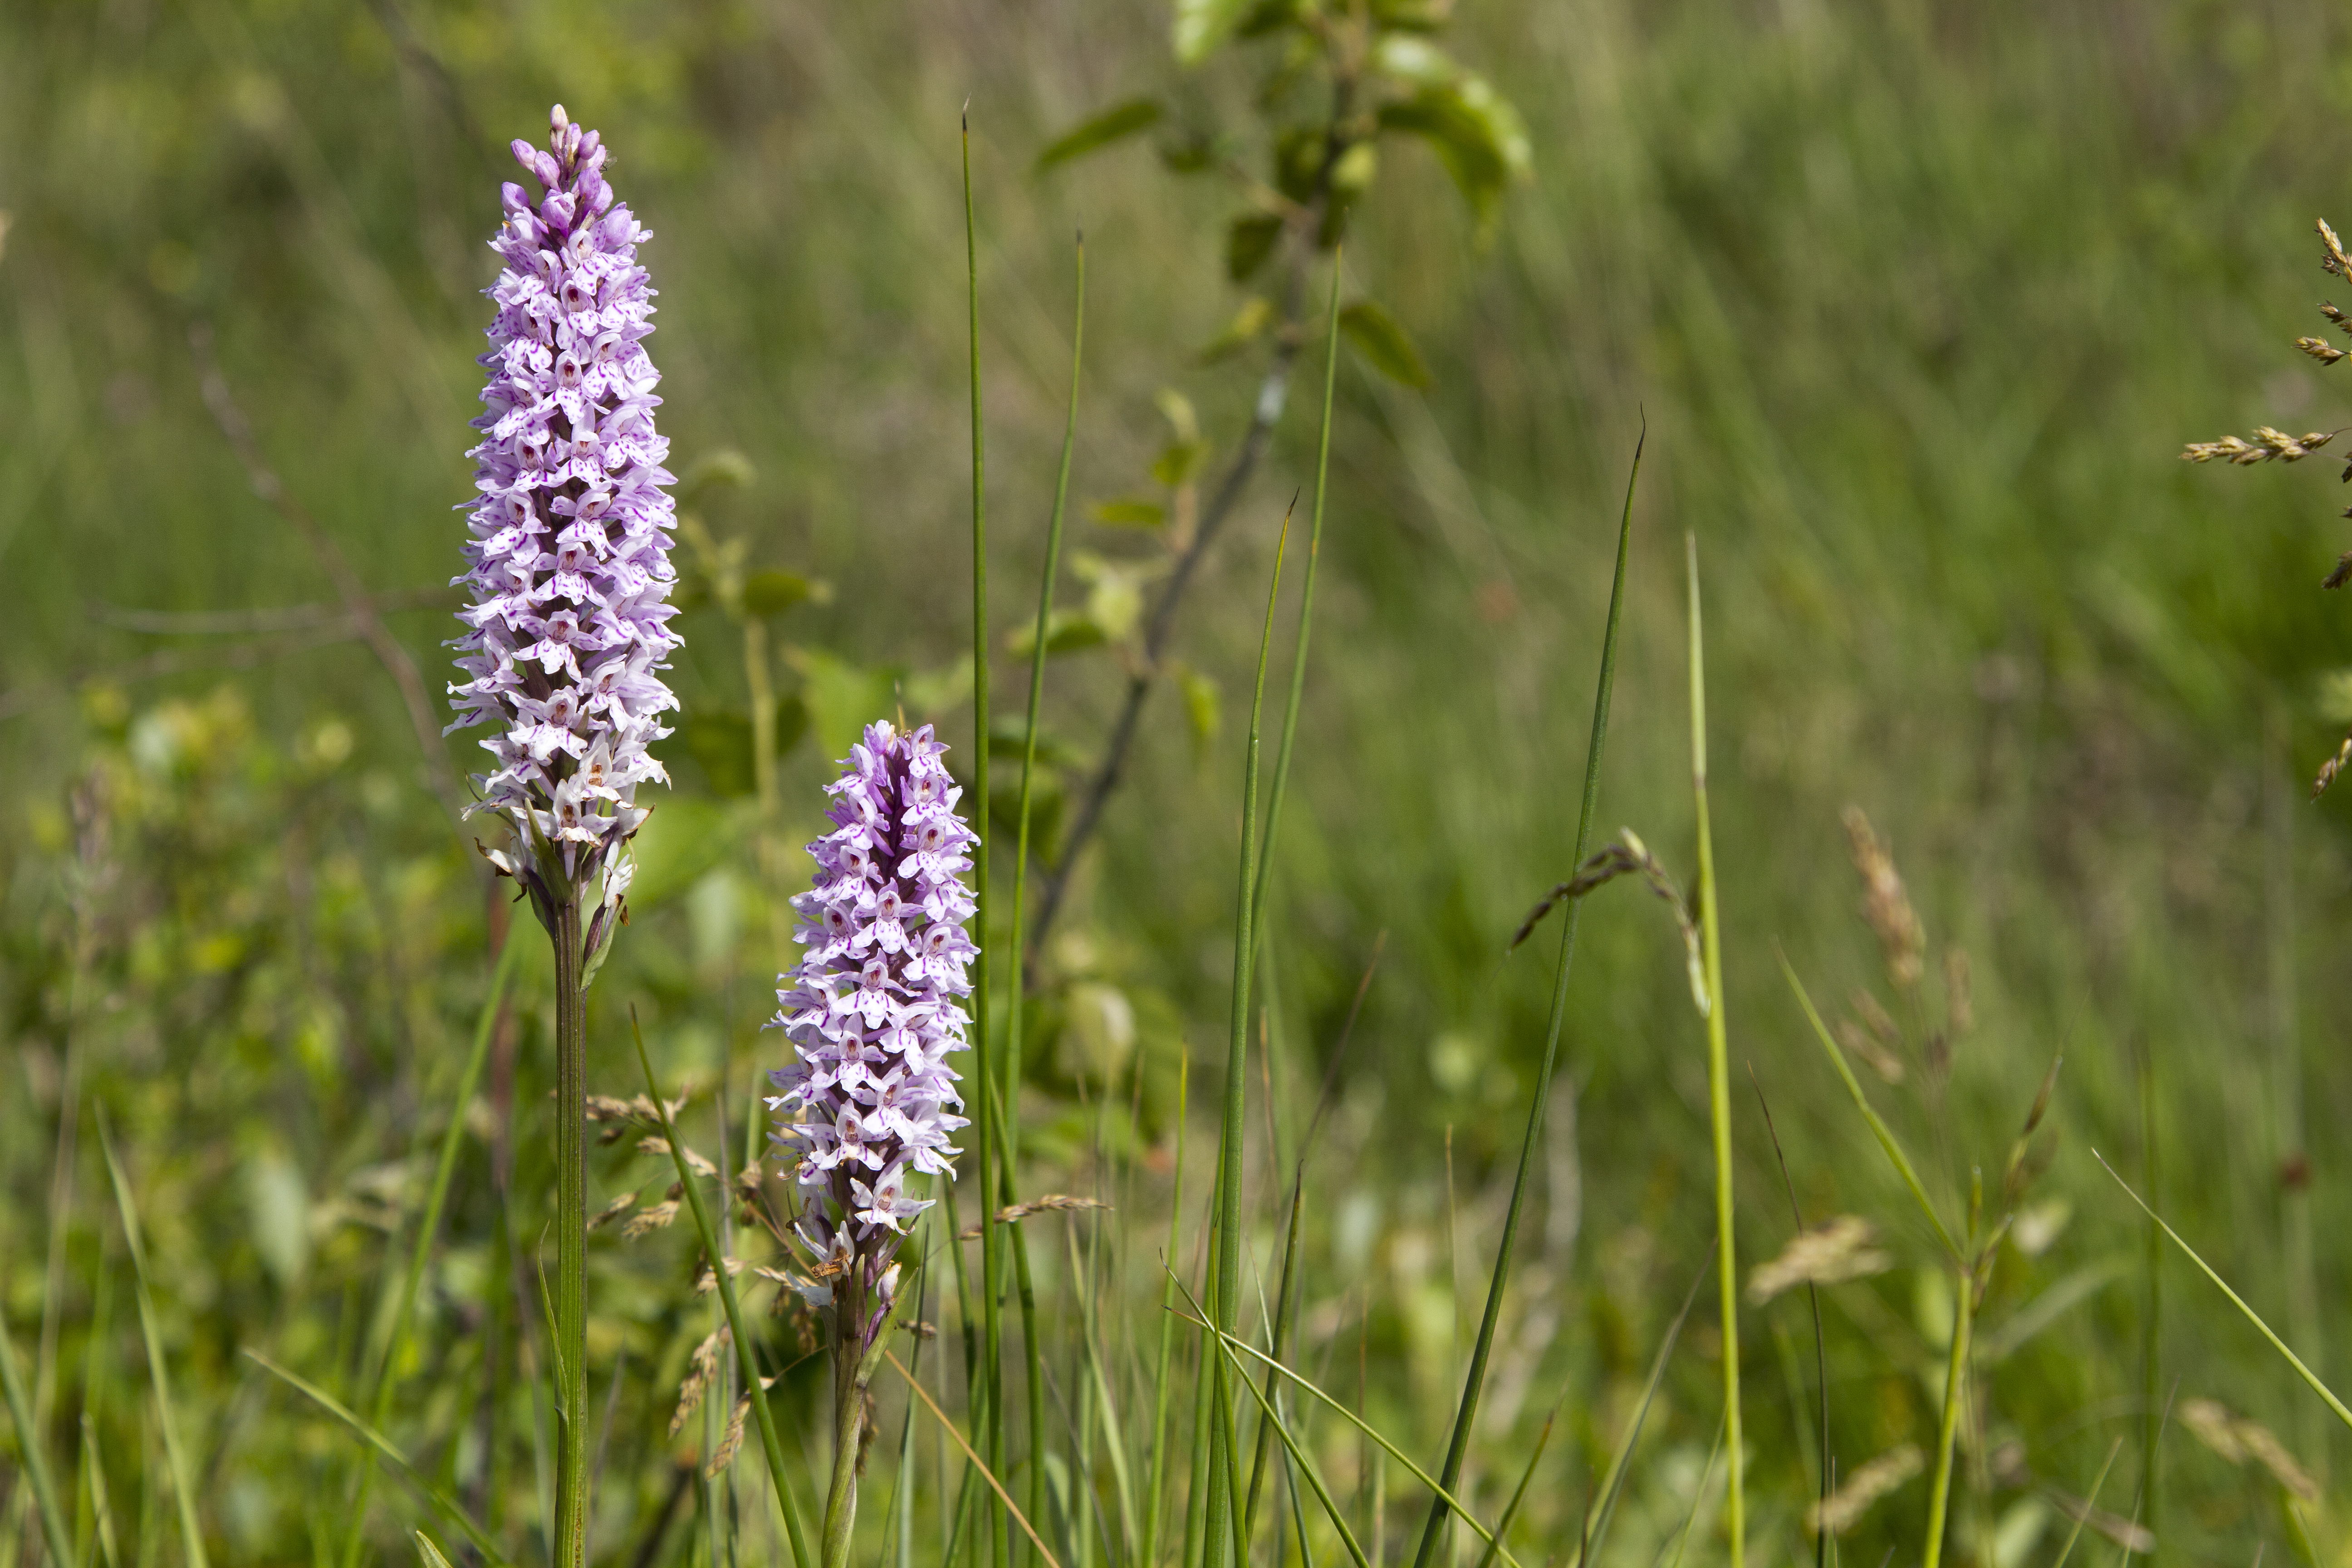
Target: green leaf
[
  {"x": 771, "y": 592},
  {"x": 1066, "y": 631},
  {"x": 1203, "y": 25},
  {"x": 930, "y": 692},
  {"x": 1203, "y": 707},
  {"x": 1113, "y": 124},
  {"x": 1249, "y": 242},
  {"x": 1128, "y": 511},
  {"x": 1383, "y": 343},
  {"x": 725, "y": 468},
  {"x": 427, "y": 1554},
  {"x": 1179, "y": 462},
  {"x": 1248, "y": 325},
  {"x": 1476, "y": 133}
]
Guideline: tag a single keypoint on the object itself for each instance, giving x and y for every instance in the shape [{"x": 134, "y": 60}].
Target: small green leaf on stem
[
  {"x": 1113, "y": 125},
  {"x": 1384, "y": 345}
]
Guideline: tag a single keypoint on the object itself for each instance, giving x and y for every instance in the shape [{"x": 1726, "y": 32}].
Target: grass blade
[
  {"x": 28, "y": 1444},
  {"x": 1956, "y": 1376},
  {"x": 1445, "y": 1494},
  {"x": 1299, "y": 1457},
  {"x": 429, "y": 1225},
  {"x": 437, "y": 1500},
  {"x": 771, "y": 1441},
  {"x": 1614, "y": 1482},
  {"x": 1465, "y": 1414},
  {"x": 1286, "y": 1305},
  {"x": 987, "y": 1475},
  {"x": 2308, "y": 1376},
  {"x": 175, "y": 1458},
  {"x": 1519, "y": 1493},
  {"x": 1885, "y": 1135},
  {"x": 1718, "y": 1077},
  {"x": 987, "y": 1068},
  {"x": 1151, "y": 1558},
  {"x": 1306, "y": 606},
  {"x": 1227, "y": 1295},
  {"x": 2091, "y": 1503}
]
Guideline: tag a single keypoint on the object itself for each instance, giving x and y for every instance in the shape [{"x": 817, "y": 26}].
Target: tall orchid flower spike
[
  {"x": 566, "y": 636},
  {"x": 569, "y": 555},
  {"x": 873, "y": 1013}
]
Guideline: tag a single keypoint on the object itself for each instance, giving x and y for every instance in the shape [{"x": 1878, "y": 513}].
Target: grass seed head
[
  {"x": 1844, "y": 1509},
  {"x": 1843, "y": 1249},
  {"x": 1885, "y": 904}
]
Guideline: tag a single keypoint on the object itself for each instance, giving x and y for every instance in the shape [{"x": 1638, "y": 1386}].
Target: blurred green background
[{"x": 1916, "y": 303}]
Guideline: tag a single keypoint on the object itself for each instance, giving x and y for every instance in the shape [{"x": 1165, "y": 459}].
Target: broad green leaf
[
  {"x": 725, "y": 468},
  {"x": 1383, "y": 343},
  {"x": 1112, "y": 125},
  {"x": 1115, "y": 603},
  {"x": 1128, "y": 511},
  {"x": 1203, "y": 25},
  {"x": 1249, "y": 242},
  {"x": 771, "y": 592},
  {"x": 1415, "y": 62}
]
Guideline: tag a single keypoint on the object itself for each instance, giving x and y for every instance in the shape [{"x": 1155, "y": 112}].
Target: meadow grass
[{"x": 1917, "y": 305}]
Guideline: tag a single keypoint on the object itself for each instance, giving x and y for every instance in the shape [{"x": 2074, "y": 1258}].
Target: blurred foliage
[{"x": 1918, "y": 303}]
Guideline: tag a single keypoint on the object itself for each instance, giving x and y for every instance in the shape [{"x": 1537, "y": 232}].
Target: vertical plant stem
[
  {"x": 571, "y": 1239},
  {"x": 1718, "y": 1080},
  {"x": 35, "y": 1462},
  {"x": 1465, "y": 1414},
  {"x": 1955, "y": 1394},
  {"x": 987, "y": 1069},
  {"x": 1228, "y": 1297},
  {"x": 1306, "y": 606},
  {"x": 429, "y": 1225},
  {"x": 849, "y": 1420},
  {"x": 192, "y": 1529},
  {"x": 1159, "y": 1382}
]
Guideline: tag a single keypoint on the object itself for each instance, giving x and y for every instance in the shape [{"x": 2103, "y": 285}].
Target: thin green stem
[
  {"x": 992, "y": 1134},
  {"x": 429, "y": 1225},
  {"x": 28, "y": 1445},
  {"x": 1718, "y": 1078},
  {"x": 1465, "y": 1414},
  {"x": 1227, "y": 1299},
  {"x": 192, "y": 1529},
  {"x": 1160, "y": 1384},
  {"x": 1956, "y": 1376},
  {"x": 570, "y": 1114}
]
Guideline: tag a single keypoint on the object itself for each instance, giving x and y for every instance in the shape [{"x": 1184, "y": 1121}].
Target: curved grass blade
[
  {"x": 429, "y": 1225},
  {"x": 36, "y": 1464},
  {"x": 771, "y": 1441},
  {"x": 1885, "y": 1135},
  {"x": 985, "y": 1473},
  {"x": 1718, "y": 1077},
  {"x": 1956, "y": 1377},
  {"x": 1519, "y": 1493},
  {"x": 1443, "y": 1494},
  {"x": 2089, "y": 1504},
  {"x": 1465, "y": 1414},
  {"x": 435, "y": 1498},
  {"x": 192, "y": 1532},
  {"x": 1300, "y": 1457},
  {"x": 1222, "y": 1500},
  {"x": 2236, "y": 1301},
  {"x": 1614, "y": 1482}
]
